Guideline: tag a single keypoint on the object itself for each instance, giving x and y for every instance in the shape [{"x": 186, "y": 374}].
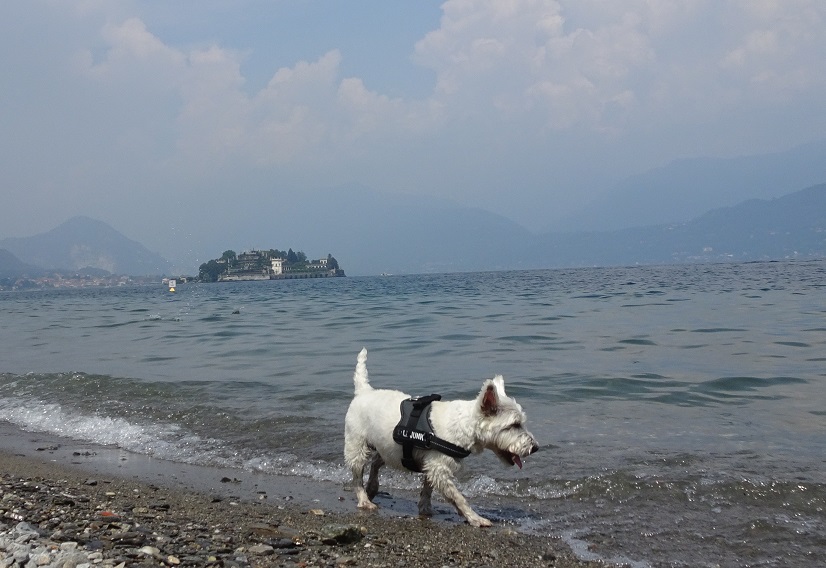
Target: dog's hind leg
[
  {"x": 373, "y": 478},
  {"x": 356, "y": 454},
  {"x": 425, "y": 507}
]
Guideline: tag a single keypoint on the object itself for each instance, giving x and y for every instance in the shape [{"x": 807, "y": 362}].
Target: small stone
[
  {"x": 130, "y": 537},
  {"x": 340, "y": 534},
  {"x": 149, "y": 551},
  {"x": 317, "y": 512},
  {"x": 263, "y": 529},
  {"x": 172, "y": 560},
  {"x": 68, "y": 546},
  {"x": 62, "y": 500},
  {"x": 261, "y": 549},
  {"x": 91, "y": 482}
]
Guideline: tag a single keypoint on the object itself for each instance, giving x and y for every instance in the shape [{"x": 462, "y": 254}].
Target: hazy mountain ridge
[
  {"x": 792, "y": 226},
  {"x": 82, "y": 243},
  {"x": 13, "y": 267},
  {"x": 688, "y": 188},
  {"x": 409, "y": 235}
]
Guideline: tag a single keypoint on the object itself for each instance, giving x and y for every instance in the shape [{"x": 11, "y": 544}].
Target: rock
[
  {"x": 149, "y": 551},
  {"x": 132, "y": 538},
  {"x": 263, "y": 529},
  {"x": 261, "y": 549},
  {"x": 340, "y": 534}
]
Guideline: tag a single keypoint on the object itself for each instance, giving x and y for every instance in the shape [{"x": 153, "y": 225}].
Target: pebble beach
[{"x": 55, "y": 515}]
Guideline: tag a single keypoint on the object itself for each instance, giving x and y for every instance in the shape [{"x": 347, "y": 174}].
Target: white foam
[{"x": 165, "y": 441}]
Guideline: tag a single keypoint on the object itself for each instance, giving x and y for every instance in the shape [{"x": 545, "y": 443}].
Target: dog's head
[{"x": 502, "y": 424}]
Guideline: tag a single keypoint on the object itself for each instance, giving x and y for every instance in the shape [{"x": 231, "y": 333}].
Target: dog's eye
[{"x": 515, "y": 425}]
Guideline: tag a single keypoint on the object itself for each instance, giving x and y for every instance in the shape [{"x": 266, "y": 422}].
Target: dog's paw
[
  {"x": 477, "y": 521},
  {"x": 368, "y": 506}
]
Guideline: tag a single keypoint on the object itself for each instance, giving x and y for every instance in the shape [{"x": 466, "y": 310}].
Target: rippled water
[{"x": 682, "y": 408}]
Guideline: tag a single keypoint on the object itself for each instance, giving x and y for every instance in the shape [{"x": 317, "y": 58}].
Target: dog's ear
[{"x": 489, "y": 399}]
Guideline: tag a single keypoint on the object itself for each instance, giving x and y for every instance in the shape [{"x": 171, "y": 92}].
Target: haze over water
[{"x": 681, "y": 408}]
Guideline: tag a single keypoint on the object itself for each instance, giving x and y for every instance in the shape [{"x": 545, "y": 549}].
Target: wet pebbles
[{"x": 52, "y": 516}]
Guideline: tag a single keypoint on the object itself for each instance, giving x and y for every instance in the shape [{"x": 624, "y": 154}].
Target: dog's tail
[{"x": 360, "y": 380}]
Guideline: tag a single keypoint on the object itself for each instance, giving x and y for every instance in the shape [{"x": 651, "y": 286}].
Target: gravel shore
[{"x": 58, "y": 516}]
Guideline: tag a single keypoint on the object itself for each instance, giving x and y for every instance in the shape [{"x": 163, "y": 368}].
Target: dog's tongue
[{"x": 517, "y": 460}]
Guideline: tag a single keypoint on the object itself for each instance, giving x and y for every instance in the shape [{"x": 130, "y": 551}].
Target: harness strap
[{"x": 409, "y": 436}]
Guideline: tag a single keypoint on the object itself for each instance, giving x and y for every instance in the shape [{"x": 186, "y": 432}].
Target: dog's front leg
[
  {"x": 425, "y": 507},
  {"x": 444, "y": 483}
]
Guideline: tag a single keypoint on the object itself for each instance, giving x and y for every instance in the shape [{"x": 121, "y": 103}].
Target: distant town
[
  {"x": 79, "y": 279},
  {"x": 270, "y": 264}
]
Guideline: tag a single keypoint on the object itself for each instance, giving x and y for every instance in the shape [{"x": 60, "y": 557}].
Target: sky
[{"x": 158, "y": 117}]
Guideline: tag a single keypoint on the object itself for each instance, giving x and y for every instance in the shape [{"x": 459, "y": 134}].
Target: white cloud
[
  {"x": 543, "y": 64},
  {"x": 115, "y": 91}
]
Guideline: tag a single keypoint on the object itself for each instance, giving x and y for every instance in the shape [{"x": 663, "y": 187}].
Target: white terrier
[{"x": 458, "y": 427}]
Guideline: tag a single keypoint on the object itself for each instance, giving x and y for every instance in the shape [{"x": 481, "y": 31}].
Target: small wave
[
  {"x": 636, "y": 341},
  {"x": 717, "y": 329},
  {"x": 745, "y": 384},
  {"x": 164, "y": 441}
]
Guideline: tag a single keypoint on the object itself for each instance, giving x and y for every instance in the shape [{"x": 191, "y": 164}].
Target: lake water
[{"x": 681, "y": 409}]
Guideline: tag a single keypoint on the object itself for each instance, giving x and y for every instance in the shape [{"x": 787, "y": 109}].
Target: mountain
[
  {"x": 371, "y": 232},
  {"x": 685, "y": 189},
  {"x": 13, "y": 267},
  {"x": 84, "y": 243},
  {"x": 792, "y": 226}
]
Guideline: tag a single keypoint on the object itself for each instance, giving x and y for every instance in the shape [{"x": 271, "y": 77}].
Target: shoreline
[{"x": 176, "y": 514}]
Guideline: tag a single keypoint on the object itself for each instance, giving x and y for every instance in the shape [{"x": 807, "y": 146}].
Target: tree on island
[{"x": 210, "y": 271}]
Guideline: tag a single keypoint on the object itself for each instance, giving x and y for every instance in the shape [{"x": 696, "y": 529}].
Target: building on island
[{"x": 265, "y": 265}]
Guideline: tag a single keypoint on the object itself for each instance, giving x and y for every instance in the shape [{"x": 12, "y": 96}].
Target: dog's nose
[{"x": 535, "y": 448}]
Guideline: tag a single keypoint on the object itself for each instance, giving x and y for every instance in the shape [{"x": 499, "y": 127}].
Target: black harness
[{"x": 415, "y": 431}]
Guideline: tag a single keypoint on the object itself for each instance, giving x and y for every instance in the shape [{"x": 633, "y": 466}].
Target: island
[{"x": 270, "y": 264}]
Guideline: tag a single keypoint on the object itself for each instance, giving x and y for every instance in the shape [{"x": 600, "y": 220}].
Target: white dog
[{"x": 458, "y": 427}]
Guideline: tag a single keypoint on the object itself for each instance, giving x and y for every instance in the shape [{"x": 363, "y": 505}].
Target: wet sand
[{"x": 130, "y": 510}]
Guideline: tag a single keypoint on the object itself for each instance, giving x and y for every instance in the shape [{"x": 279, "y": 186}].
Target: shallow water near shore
[{"x": 681, "y": 409}]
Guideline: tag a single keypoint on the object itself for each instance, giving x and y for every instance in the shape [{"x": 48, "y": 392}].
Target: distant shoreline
[{"x": 285, "y": 276}]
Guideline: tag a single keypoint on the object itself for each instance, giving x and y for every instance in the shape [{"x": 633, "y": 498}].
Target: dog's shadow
[{"x": 402, "y": 505}]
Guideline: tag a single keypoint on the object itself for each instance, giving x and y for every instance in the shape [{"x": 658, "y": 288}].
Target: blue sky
[{"x": 154, "y": 114}]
